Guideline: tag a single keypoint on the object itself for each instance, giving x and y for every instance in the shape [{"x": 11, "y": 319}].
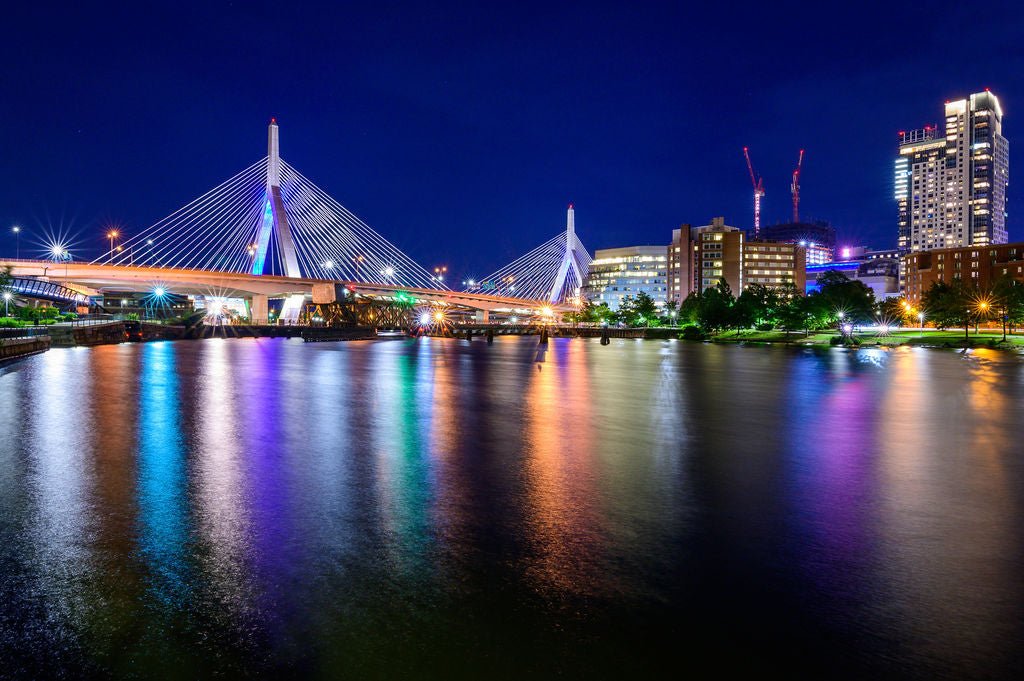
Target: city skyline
[{"x": 419, "y": 177}]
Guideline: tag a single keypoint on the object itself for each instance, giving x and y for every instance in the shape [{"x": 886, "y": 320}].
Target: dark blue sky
[{"x": 461, "y": 131}]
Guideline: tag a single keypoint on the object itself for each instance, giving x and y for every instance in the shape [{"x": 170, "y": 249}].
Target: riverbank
[{"x": 927, "y": 338}]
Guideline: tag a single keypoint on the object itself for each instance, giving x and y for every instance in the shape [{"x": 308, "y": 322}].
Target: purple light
[{"x": 846, "y": 253}]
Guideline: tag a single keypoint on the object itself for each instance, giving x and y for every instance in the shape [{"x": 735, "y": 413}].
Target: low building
[
  {"x": 975, "y": 266},
  {"x": 619, "y": 272},
  {"x": 879, "y": 270}
]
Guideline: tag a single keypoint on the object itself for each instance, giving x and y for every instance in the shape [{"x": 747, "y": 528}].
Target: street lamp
[
  {"x": 7, "y": 300},
  {"x": 17, "y": 240},
  {"x": 920, "y": 319},
  {"x": 112, "y": 234}
]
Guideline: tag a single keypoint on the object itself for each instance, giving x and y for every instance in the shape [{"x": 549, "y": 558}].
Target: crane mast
[
  {"x": 795, "y": 188},
  {"x": 758, "y": 184}
]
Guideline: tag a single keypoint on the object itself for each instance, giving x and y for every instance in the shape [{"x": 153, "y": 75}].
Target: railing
[{"x": 23, "y": 332}]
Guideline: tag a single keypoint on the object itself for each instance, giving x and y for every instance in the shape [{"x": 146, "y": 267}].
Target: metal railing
[{"x": 23, "y": 332}]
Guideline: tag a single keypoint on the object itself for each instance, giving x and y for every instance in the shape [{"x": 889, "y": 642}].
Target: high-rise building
[
  {"x": 680, "y": 270},
  {"x": 717, "y": 256},
  {"x": 950, "y": 187},
  {"x": 619, "y": 272}
]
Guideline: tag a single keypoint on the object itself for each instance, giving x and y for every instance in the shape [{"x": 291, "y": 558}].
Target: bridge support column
[
  {"x": 258, "y": 310},
  {"x": 483, "y": 317}
]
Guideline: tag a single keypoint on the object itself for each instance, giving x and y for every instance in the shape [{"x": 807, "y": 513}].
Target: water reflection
[
  {"x": 162, "y": 485},
  {"x": 372, "y": 509}
]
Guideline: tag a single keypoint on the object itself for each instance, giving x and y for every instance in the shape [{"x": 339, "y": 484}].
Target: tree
[
  {"x": 670, "y": 316},
  {"x": 715, "y": 311},
  {"x": 894, "y": 311},
  {"x": 1008, "y": 296},
  {"x": 640, "y": 310},
  {"x": 646, "y": 310},
  {"x": 599, "y": 314},
  {"x": 690, "y": 309},
  {"x": 948, "y": 305},
  {"x": 838, "y": 293},
  {"x": 757, "y": 305}
]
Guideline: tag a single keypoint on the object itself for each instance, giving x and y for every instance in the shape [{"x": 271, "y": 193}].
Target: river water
[{"x": 447, "y": 509}]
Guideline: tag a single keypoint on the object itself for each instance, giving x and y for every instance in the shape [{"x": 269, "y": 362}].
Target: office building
[
  {"x": 774, "y": 264},
  {"x": 619, "y": 272},
  {"x": 950, "y": 181},
  {"x": 723, "y": 253}
]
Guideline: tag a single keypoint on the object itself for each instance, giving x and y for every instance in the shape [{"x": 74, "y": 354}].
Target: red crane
[
  {"x": 758, "y": 183},
  {"x": 795, "y": 188}
]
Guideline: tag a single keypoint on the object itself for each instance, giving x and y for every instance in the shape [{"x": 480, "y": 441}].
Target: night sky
[{"x": 461, "y": 132}]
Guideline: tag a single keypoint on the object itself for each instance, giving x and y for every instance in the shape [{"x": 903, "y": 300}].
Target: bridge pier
[
  {"x": 483, "y": 317},
  {"x": 258, "y": 310}
]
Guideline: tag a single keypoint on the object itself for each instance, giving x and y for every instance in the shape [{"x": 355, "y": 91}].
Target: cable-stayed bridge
[
  {"x": 530, "y": 276},
  {"x": 269, "y": 232}
]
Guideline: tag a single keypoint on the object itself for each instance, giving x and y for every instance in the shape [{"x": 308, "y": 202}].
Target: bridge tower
[
  {"x": 274, "y": 216},
  {"x": 569, "y": 259}
]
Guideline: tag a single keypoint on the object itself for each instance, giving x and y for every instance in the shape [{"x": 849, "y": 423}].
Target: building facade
[
  {"x": 818, "y": 238},
  {"x": 775, "y": 264},
  {"x": 878, "y": 270},
  {"x": 975, "y": 266},
  {"x": 619, "y": 272},
  {"x": 950, "y": 183},
  {"x": 718, "y": 256},
  {"x": 680, "y": 261}
]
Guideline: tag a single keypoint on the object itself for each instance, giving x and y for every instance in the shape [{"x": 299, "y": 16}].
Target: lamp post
[
  {"x": 112, "y": 234},
  {"x": 7, "y": 300},
  {"x": 982, "y": 308},
  {"x": 17, "y": 241},
  {"x": 920, "y": 319}
]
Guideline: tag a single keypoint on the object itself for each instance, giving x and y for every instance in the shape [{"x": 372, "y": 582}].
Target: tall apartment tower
[{"x": 951, "y": 186}]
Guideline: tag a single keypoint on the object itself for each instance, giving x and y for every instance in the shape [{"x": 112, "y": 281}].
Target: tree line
[{"x": 837, "y": 301}]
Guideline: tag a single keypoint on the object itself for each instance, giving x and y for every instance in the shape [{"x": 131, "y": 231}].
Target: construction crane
[
  {"x": 758, "y": 183},
  {"x": 795, "y": 188}
]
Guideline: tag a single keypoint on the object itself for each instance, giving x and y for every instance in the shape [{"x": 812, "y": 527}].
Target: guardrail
[{"x": 24, "y": 332}]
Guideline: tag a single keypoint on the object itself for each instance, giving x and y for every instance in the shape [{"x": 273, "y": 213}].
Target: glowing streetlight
[
  {"x": 329, "y": 265},
  {"x": 17, "y": 240},
  {"x": 439, "y": 316},
  {"x": 388, "y": 272},
  {"x": 112, "y": 234},
  {"x": 7, "y": 300},
  {"x": 159, "y": 291}
]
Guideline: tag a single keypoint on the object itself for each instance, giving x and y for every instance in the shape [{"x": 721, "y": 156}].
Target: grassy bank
[{"x": 926, "y": 338}]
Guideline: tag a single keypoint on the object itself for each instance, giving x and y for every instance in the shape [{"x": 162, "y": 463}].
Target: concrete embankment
[
  {"x": 112, "y": 332},
  {"x": 16, "y": 348}
]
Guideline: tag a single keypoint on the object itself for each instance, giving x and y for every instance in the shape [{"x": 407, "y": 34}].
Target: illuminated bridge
[{"x": 268, "y": 233}]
